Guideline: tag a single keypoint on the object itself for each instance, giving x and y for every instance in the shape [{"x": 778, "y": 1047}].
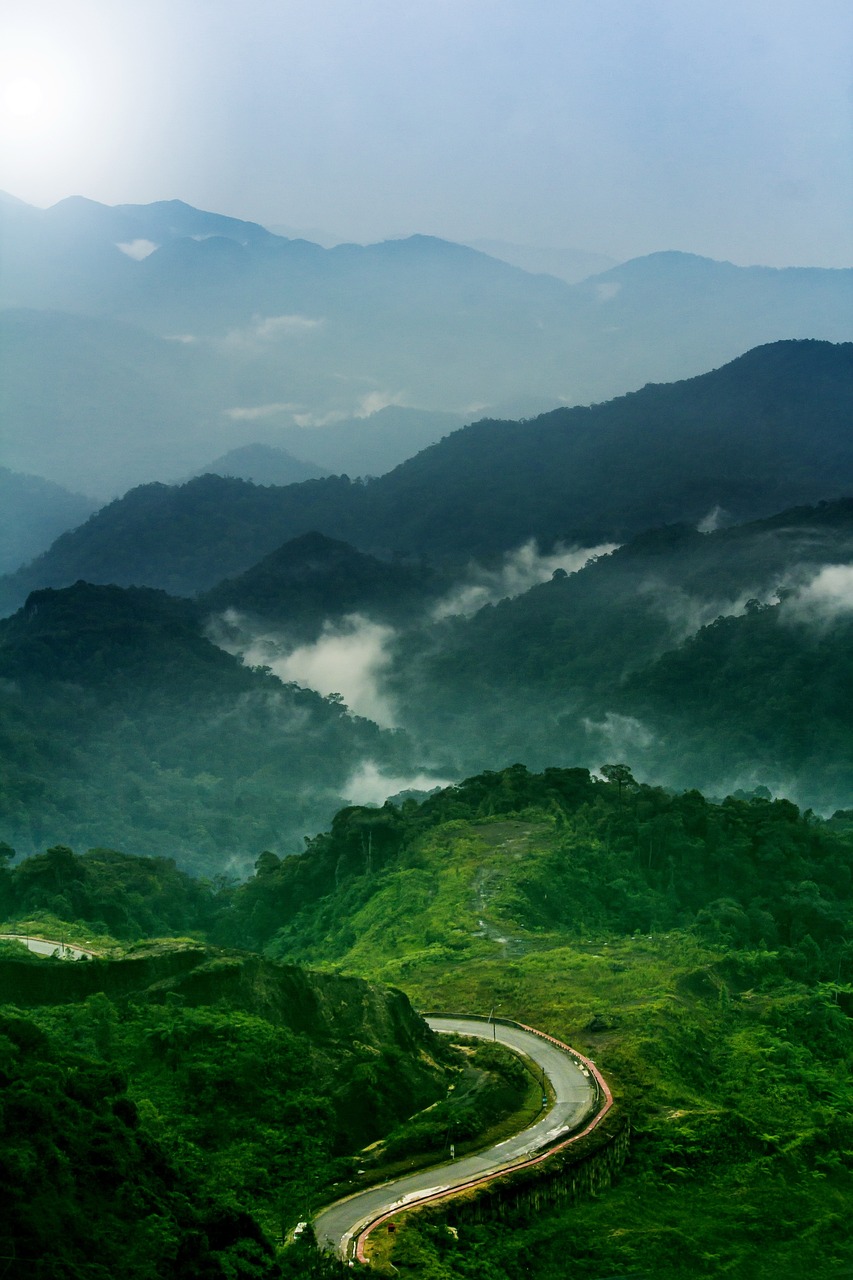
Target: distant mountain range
[
  {"x": 34, "y": 512},
  {"x": 185, "y": 334},
  {"x": 262, "y": 464},
  {"x": 766, "y": 432}
]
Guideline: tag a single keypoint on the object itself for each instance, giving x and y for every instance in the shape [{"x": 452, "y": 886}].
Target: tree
[{"x": 619, "y": 774}]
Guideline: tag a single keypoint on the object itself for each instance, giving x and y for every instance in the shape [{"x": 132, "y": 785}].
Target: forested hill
[
  {"x": 313, "y": 579},
  {"x": 121, "y": 724},
  {"x": 666, "y": 453},
  {"x": 769, "y": 430},
  {"x": 602, "y": 661},
  {"x": 589, "y": 854},
  {"x": 175, "y": 1110},
  {"x": 698, "y": 951},
  {"x": 185, "y": 538}
]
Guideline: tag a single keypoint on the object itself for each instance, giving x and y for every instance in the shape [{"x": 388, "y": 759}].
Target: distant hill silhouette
[
  {"x": 286, "y": 332},
  {"x": 313, "y": 579},
  {"x": 768, "y": 431},
  {"x": 371, "y": 445},
  {"x": 263, "y": 464},
  {"x": 33, "y": 513}
]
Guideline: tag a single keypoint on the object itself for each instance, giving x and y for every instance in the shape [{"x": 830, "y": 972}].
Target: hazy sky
[{"x": 619, "y": 126}]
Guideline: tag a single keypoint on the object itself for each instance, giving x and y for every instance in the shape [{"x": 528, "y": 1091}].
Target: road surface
[
  {"x": 44, "y": 947},
  {"x": 575, "y": 1098}
]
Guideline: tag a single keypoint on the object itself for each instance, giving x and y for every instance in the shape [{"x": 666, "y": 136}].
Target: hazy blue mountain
[
  {"x": 655, "y": 317},
  {"x": 263, "y": 464},
  {"x": 99, "y": 405},
  {"x": 33, "y": 513},
  {"x": 570, "y": 265},
  {"x": 768, "y": 431},
  {"x": 286, "y": 332},
  {"x": 371, "y": 445}
]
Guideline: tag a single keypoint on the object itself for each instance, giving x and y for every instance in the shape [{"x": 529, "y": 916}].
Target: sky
[{"x": 618, "y": 127}]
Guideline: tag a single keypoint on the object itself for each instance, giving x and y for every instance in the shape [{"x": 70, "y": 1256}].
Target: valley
[{"x": 388, "y": 632}]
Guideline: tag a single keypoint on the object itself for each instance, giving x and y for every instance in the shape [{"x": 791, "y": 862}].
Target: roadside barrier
[{"x": 603, "y": 1093}]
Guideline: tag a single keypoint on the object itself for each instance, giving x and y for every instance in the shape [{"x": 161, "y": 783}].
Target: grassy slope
[{"x": 736, "y": 1075}]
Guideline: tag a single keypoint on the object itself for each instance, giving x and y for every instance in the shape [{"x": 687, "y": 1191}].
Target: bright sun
[{"x": 24, "y": 97}]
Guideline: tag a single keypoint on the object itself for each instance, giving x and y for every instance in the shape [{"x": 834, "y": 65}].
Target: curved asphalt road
[
  {"x": 44, "y": 947},
  {"x": 338, "y": 1225}
]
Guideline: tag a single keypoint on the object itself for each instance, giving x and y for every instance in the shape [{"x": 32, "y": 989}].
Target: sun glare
[{"x": 24, "y": 97}]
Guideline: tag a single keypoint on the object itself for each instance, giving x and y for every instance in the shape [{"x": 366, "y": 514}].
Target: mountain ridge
[{"x": 666, "y": 453}]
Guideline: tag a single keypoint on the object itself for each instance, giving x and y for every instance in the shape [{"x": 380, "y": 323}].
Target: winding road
[
  {"x": 580, "y": 1093},
  {"x": 45, "y": 947},
  {"x": 577, "y": 1087}
]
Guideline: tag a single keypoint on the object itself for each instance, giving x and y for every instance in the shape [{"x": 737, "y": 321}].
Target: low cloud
[
  {"x": 349, "y": 658},
  {"x": 326, "y": 419},
  {"x": 270, "y": 329},
  {"x": 620, "y": 735},
  {"x": 252, "y": 413},
  {"x": 522, "y": 569},
  {"x": 278, "y": 326},
  {"x": 138, "y": 249},
  {"x": 374, "y": 401},
  {"x": 712, "y": 521},
  {"x": 364, "y": 407},
  {"x": 369, "y": 785},
  {"x": 687, "y": 614},
  {"x": 828, "y": 595}
]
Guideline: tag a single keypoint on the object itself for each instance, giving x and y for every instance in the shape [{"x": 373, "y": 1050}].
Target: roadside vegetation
[{"x": 698, "y": 952}]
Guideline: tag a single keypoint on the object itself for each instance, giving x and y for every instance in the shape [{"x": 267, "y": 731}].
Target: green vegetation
[
  {"x": 699, "y": 952},
  {"x": 664, "y": 641},
  {"x": 532, "y": 858},
  {"x": 121, "y": 725},
  {"x": 88, "y": 1189},
  {"x": 115, "y": 895},
  {"x": 223, "y": 1094}
]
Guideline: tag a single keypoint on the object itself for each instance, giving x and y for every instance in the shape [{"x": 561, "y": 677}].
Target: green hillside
[
  {"x": 717, "y": 660},
  {"x": 699, "y": 952},
  {"x": 122, "y": 725},
  {"x": 176, "y": 1110}
]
